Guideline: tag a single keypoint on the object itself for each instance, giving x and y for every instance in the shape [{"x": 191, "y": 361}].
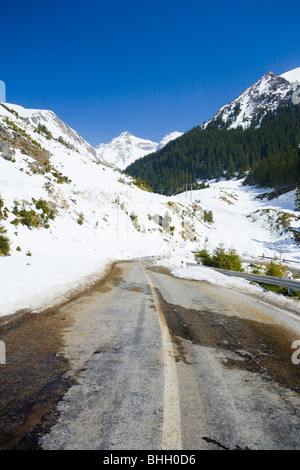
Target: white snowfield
[
  {"x": 244, "y": 222},
  {"x": 101, "y": 217}
]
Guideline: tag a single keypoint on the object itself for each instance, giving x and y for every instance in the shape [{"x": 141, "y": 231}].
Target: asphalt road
[{"x": 148, "y": 361}]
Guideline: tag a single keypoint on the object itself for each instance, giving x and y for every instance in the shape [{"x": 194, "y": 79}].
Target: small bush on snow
[{"x": 4, "y": 242}]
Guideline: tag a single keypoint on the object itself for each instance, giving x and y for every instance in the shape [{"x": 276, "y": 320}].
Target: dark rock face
[{"x": 5, "y": 151}]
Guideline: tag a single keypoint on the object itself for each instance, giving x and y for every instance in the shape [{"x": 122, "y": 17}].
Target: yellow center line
[{"x": 171, "y": 438}]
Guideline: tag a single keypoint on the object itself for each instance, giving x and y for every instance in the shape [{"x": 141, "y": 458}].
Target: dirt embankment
[{"x": 35, "y": 378}]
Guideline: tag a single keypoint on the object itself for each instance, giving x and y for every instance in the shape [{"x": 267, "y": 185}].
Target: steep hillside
[
  {"x": 65, "y": 215},
  {"x": 260, "y": 127},
  {"x": 45, "y": 123}
]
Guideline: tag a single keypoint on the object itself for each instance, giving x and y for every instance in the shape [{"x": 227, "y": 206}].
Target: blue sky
[{"x": 148, "y": 67}]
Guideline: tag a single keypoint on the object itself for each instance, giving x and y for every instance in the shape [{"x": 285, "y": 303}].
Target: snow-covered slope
[
  {"x": 292, "y": 76},
  {"x": 168, "y": 138},
  {"x": 67, "y": 215},
  {"x": 243, "y": 220},
  {"x": 36, "y": 118},
  {"x": 126, "y": 148},
  {"x": 264, "y": 95}
]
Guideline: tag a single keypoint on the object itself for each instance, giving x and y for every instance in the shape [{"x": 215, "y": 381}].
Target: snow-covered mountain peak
[
  {"x": 126, "y": 148},
  {"x": 126, "y": 134},
  {"x": 264, "y": 95}
]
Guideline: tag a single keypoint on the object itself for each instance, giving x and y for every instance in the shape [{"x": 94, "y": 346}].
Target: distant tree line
[{"x": 267, "y": 154}]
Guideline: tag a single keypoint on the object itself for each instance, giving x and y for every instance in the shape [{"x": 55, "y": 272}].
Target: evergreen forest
[{"x": 266, "y": 153}]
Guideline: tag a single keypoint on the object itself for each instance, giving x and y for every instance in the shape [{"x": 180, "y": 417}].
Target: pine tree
[
  {"x": 297, "y": 199},
  {"x": 4, "y": 242}
]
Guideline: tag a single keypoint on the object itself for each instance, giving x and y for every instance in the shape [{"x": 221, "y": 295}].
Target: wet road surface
[{"x": 148, "y": 361}]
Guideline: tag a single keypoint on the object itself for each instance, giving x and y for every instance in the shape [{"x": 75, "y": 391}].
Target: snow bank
[{"x": 241, "y": 220}]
